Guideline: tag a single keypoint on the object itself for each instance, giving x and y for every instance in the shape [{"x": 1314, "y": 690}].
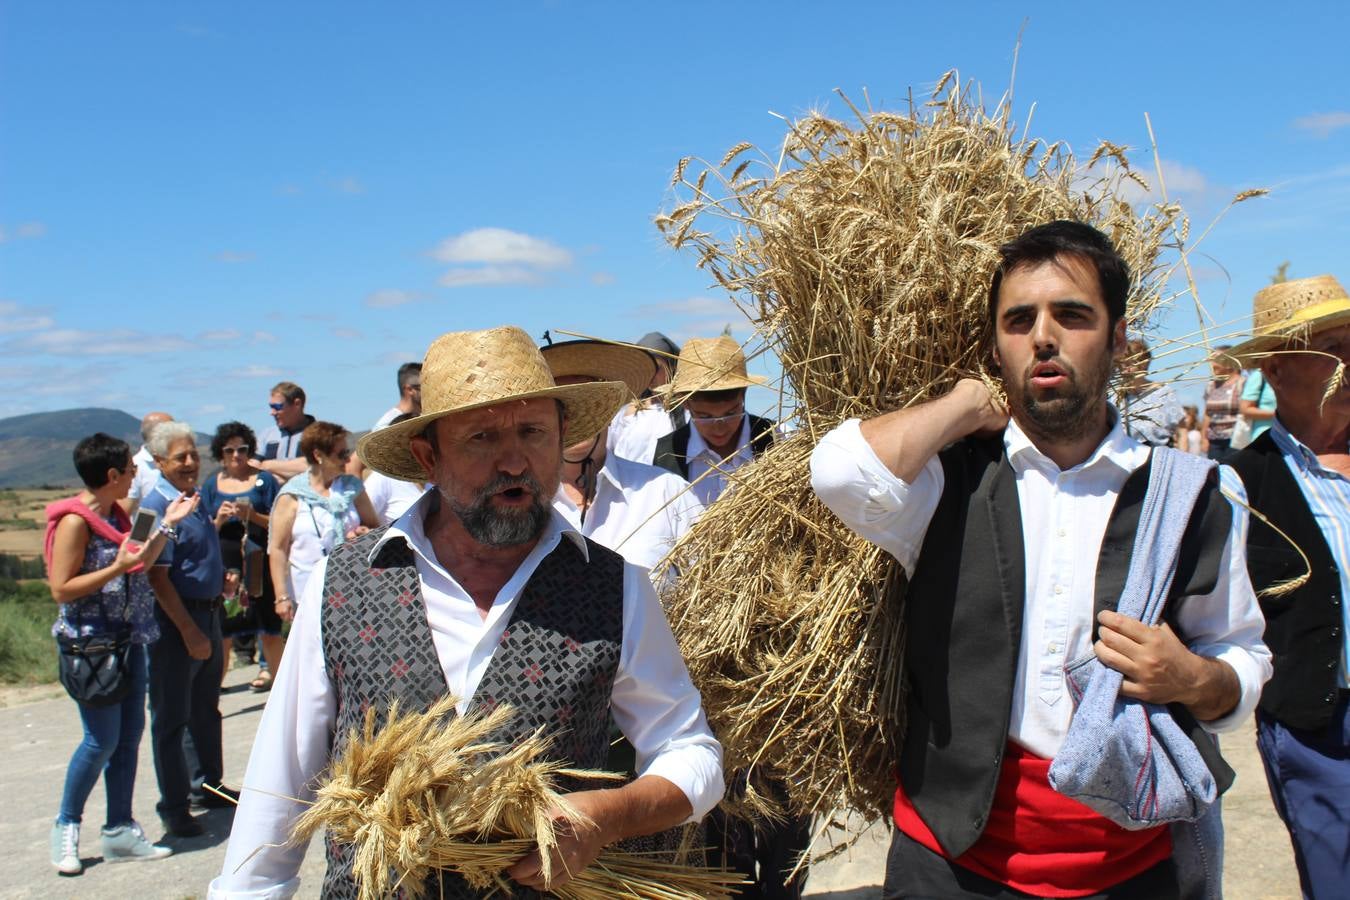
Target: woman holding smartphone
[
  {"x": 97, "y": 575},
  {"x": 239, "y": 499}
]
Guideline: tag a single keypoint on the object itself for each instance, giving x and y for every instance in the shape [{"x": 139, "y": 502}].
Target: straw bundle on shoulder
[
  {"x": 862, "y": 253},
  {"x": 434, "y": 791}
]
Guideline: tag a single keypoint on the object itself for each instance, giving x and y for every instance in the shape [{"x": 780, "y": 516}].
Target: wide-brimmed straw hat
[
  {"x": 466, "y": 370},
  {"x": 1292, "y": 309},
  {"x": 711, "y": 364},
  {"x": 602, "y": 361}
]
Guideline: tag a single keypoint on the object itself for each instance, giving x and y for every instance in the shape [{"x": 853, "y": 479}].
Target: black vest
[
  {"x": 963, "y": 625},
  {"x": 1303, "y": 627},
  {"x": 672, "y": 451}
]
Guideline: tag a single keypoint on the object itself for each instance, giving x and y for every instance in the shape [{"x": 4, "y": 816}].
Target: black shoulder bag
[{"x": 94, "y": 669}]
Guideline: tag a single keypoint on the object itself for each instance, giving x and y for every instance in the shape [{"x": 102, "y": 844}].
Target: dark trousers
[
  {"x": 913, "y": 872},
  {"x": 1309, "y": 777},
  {"x": 764, "y": 852},
  {"x": 185, "y": 700}
]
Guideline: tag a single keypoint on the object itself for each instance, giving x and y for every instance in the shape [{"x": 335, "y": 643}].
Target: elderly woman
[
  {"x": 98, "y": 578},
  {"x": 185, "y": 662},
  {"x": 314, "y": 513},
  {"x": 1223, "y": 401},
  {"x": 239, "y": 500}
]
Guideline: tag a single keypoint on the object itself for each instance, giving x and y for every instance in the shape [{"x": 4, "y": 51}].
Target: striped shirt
[{"x": 1328, "y": 496}]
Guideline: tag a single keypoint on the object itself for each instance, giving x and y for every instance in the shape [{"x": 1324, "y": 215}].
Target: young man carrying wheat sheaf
[{"x": 1056, "y": 566}]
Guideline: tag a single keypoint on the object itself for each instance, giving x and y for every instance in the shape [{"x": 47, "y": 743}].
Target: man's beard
[
  {"x": 1076, "y": 409},
  {"x": 503, "y": 527}
]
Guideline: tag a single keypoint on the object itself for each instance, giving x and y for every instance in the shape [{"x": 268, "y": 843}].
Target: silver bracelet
[{"x": 169, "y": 532}]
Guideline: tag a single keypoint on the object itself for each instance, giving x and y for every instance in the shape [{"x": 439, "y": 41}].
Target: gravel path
[{"x": 40, "y": 729}]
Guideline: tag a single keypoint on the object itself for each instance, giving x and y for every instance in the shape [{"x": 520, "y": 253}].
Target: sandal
[{"x": 262, "y": 683}]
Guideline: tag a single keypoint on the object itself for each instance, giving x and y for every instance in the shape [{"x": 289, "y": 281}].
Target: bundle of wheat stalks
[
  {"x": 862, "y": 254},
  {"x": 434, "y": 791}
]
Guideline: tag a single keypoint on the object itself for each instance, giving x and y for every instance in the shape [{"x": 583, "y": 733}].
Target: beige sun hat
[
  {"x": 711, "y": 364},
  {"x": 466, "y": 370},
  {"x": 602, "y": 361},
  {"x": 1292, "y": 309}
]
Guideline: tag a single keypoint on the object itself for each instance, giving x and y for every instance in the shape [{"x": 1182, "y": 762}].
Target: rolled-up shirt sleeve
[
  {"x": 290, "y": 749},
  {"x": 848, "y": 478},
  {"x": 655, "y": 702},
  {"x": 1227, "y": 624}
]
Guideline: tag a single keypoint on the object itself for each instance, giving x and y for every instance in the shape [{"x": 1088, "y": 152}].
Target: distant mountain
[{"x": 36, "y": 449}]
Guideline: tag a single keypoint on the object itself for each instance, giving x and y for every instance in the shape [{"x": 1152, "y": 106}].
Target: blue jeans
[{"x": 112, "y": 736}]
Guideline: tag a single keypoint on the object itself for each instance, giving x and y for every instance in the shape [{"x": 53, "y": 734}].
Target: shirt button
[
  {"x": 1330, "y": 698},
  {"x": 1336, "y": 631},
  {"x": 1059, "y": 589},
  {"x": 1063, "y": 532}
]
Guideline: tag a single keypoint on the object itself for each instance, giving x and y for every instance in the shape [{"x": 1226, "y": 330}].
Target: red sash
[
  {"x": 1040, "y": 842},
  {"x": 73, "y": 506}
]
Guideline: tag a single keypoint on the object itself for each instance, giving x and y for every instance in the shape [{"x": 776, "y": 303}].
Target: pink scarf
[{"x": 75, "y": 506}]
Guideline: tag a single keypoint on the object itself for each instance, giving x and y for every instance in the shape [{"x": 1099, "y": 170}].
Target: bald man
[{"x": 146, "y": 471}]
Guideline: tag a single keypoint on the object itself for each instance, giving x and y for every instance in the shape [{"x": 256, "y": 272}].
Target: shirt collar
[
  {"x": 1117, "y": 448},
  {"x": 1292, "y": 448},
  {"x": 699, "y": 447},
  {"x": 409, "y": 526}
]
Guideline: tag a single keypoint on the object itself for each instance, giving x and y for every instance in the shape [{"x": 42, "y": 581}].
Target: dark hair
[
  {"x": 1136, "y": 350},
  {"x": 721, "y": 396},
  {"x": 227, "y": 432},
  {"x": 405, "y": 375},
  {"x": 1066, "y": 238},
  {"x": 98, "y": 453},
  {"x": 290, "y": 390},
  {"x": 403, "y": 417},
  {"x": 320, "y": 437}
]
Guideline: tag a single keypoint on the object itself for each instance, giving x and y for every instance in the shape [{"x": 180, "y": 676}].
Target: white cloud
[
  {"x": 698, "y": 316},
  {"x": 223, "y": 334},
  {"x": 1322, "y": 125},
  {"x": 350, "y": 185},
  {"x": 388, "y": 297},
  {"x": 15, "y": 318},
  {"x": 211, "y": 409},
  {"x": 77, "y": 342},
  {"x": 256, "y": 371},
  {"x": 601, "y": 279},
  {"x": 500, "y": 246},
  {"x": 346, "y": 333},
  {"x": 489, "y": 275},
  {"x": 264, "y": 337},
  {"x": 231, "y": 256},
  {"x": 289, "y": 190},
  {"x": 22, "y": 231}
]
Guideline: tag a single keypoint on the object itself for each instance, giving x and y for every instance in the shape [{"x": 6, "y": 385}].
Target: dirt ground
[
  {"x": 39, "y": 729},
  {"x": 30, "y": 505}
]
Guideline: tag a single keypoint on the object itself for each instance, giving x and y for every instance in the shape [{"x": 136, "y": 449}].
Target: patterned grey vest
[{"x": 556, "y": 663}]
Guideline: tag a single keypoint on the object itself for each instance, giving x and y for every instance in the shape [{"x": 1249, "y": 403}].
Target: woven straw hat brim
[
  {"x": 607, "y": 362},
  {"x": 1294, "y": 309},
  {"x": 589, "y": 407},
  {"x": 683, "y": 387}
]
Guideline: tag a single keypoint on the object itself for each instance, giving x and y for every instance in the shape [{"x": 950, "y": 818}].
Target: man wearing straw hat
[
  {"x": 1297, "y": 475},
  {"x": 633, "y": 508},
  {"x": 1019, "y": 528},
  {"x": 482, "y": 591},
  {"x": 709, "y": 383}
]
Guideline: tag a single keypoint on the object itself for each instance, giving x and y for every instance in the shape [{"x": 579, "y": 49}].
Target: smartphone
[{"x": 144, "y": 526}]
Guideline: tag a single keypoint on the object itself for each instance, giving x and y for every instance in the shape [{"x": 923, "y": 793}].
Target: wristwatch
[{"x": 169, "y": 532}]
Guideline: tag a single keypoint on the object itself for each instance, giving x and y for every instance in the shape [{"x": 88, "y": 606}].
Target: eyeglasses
[
  {"x": 717, "y": 420},
  {"x": 278, "y": 407},
  {"x": 415, "y": 386},
  {"x": 241, "y": 451}
]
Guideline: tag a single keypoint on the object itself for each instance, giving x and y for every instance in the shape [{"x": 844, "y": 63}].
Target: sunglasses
[
  {"x": 277, "y": 406},
  {"x": 241, "y": 451}
]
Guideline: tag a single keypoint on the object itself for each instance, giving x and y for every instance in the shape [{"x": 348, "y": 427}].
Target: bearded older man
[
  {"x": 481, "y": 590},
  {"x": 1297, "y": 474},
  {"x": 1016, "y": 528}
]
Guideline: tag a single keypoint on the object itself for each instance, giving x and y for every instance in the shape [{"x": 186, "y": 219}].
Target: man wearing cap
[
  {"x": 1297, "y": 475},
  {"x": 709, "y": 383},
  {"x": 639, "y": 425},
  {"x": 633, "y": 508},
  {"x": 481, "y": 590}
]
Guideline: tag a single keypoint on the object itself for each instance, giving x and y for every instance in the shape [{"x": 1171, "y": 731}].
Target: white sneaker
[
  {"x": 65, "y": 844},
  {"x": 127, "y": 843}
]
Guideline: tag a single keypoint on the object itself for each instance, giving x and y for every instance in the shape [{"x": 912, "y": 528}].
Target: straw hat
[
  {"x": 603, "y": 362},
  {"x": 466, "y": 370},
  {"x": 1292, "y": 309},
  {"x": 711, "y": 364}
]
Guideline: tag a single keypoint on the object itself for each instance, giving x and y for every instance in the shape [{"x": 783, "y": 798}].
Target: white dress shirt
[
  {"x": 147, "y": 473},
  {"x": 639, "y": 511},
  {"x": 634, "y": 436},
  {"x": 1064, "y": 515},
  {"x": 707, "y": 469},
  {"x": 391, "y": 497},
  {"x": 652, "y": 700}
]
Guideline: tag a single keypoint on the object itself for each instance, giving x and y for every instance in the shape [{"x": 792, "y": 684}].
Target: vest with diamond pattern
[{"x": 555, "y": 665}]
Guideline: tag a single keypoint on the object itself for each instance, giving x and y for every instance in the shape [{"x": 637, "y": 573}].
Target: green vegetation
[
  {"x": 19, "y": 567},
  {"x": 27, "y": 651},
  {"x": 19, "y": 524}
]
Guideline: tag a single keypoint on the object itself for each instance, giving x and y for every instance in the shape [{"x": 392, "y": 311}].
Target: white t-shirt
[
  {"x": 389, "y": 416},
  {"x": 391, "y": 497},
  {"x": 634, "y": 436}
]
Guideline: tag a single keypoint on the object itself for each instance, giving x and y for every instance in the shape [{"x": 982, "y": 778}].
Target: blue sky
[{"x": 197, "y": 200}]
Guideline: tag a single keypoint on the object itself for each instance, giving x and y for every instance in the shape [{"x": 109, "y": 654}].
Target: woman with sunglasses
[
  {"x": 239, "y": 499},
  {"x": 315, "y": 512}
]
